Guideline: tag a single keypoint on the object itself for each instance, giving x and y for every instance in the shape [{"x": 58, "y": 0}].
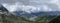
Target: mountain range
[
  {"x": 29, "y": 15},
  {"x": 20, "y": 16}
]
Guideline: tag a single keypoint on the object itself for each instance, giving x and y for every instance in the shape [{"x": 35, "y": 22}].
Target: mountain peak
[{"x": 3, "y": 9}]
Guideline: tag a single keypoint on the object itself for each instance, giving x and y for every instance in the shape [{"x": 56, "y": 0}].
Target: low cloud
[{"x": 19, "y": 6}]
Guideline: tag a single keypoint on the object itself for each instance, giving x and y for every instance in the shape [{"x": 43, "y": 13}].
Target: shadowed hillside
[{"x": 10, "y": 18}]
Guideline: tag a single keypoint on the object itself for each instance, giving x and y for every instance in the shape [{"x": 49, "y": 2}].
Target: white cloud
[
  {"x": 10, "y": 7},
  {"x": 32, "y": 8},
  {"x": 18, "y": 7}
]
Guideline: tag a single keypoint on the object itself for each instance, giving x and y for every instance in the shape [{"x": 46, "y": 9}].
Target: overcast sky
[{"x": 31, "y": 5}]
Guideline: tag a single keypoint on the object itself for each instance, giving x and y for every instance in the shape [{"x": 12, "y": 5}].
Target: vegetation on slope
[{"x": 10, "y": 18}]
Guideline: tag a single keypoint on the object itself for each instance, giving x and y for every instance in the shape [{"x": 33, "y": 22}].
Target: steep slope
[
  {"x": 10, "y": 18},
  {"x": 3, "y": 9}
]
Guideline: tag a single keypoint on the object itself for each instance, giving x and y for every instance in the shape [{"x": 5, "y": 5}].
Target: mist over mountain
[
  {"x": 30, "y": 8},
  {"x": 33, "y": 5}
]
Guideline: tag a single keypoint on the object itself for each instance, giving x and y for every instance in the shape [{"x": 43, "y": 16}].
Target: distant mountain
[
  {"x": 29, "y": 15},
  {"x": 49, "y": 13},
  {"x": 23, "y": 14}
]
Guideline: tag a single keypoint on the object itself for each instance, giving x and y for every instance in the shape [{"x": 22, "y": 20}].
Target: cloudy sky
[{"x": 31, "y": 5}]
